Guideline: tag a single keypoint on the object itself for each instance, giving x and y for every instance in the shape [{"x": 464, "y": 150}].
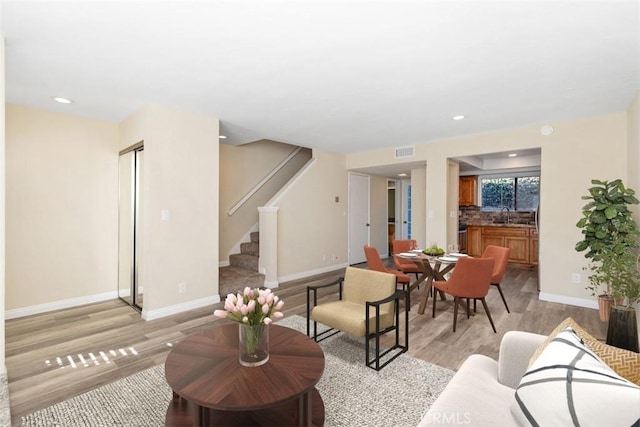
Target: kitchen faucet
[{"x": 508, "y": 217}]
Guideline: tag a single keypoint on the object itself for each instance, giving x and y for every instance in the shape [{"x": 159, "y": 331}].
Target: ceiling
[
  {"x": 344, "y": 76},
  {"x": 514, "y": 160}
]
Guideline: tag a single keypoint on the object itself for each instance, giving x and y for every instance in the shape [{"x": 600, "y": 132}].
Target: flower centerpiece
[{"x": 254, "y": 310}]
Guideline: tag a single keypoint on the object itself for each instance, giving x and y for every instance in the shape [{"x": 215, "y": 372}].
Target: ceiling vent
[{"x": 402, "y": 152}]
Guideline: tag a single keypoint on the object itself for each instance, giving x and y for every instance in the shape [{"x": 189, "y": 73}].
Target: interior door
[
  {"x": 359, "y": 225},
  {"x": 129, "y": 223},
  {"x": 138, "y": 288},
  {"x": 394, "y": 211},
  {"x": 406, "y": 209},
  {"x": 126, "y": 227}
]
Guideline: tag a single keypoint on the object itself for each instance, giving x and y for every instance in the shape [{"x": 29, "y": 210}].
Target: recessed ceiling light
[
  {"x": 458, "y": 117},
  {"x": 222, "y": 137},
  {"x": 402, "y": 174},
  {"x": 546, "y": 130},
  {"x": 61, "y": 100},
  {"x": 513, "y": 155}
]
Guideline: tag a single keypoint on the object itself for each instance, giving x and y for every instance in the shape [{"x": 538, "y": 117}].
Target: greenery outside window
[{"x": 517, "y": 193}]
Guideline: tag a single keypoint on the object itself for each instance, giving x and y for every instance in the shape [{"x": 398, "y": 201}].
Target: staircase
[{"x": 243, "y": 268}]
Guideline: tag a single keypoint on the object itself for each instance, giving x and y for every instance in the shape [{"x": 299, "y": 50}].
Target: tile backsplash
[{"x": 473, "y": 215}]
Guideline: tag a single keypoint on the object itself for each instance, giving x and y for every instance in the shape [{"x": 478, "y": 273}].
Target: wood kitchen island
[{"x": 522, "y": 239}]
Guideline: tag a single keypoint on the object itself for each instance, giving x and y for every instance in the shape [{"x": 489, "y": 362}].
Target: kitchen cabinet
[
  {"x": 519, "y": 249},
  {"x": 522, "y": 243},
  {"x": 474, "y": 241},
  {"x": 514, "y": 238},
  {"x": 468, "y": 191},
  {"x": 491, "y": 240}
]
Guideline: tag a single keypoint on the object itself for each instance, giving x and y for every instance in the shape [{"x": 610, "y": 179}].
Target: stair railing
[{"x": 262, "y": 182}]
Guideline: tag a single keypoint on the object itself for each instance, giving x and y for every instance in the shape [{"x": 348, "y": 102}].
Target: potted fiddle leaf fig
[{"x": 610, "y": 239}]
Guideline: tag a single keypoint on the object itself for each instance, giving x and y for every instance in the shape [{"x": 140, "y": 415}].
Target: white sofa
[
  {"x": 565, "y": 384},
  {"x": 481, "y": 392}
]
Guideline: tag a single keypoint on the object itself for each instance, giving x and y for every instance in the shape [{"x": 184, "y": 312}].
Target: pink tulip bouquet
[
  {"x": 254, "y": 310},
  {"x": 251, "y": 307}
]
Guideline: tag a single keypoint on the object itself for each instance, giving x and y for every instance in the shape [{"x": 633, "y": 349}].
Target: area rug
[
  {"x": 354, "y": 395},
  {"x": 5, "y": 412}
]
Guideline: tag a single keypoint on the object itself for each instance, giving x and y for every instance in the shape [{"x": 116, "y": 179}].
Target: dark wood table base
[
  {"x": 429, "y": 274},
  {"x": 180, "y": 413}
]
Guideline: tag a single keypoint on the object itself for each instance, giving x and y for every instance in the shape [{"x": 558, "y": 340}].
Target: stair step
[
  {"x": 255, "y": 237},
  {"x": 249, "y": 262},
  {"x": 250, "y": 248},
  {"x": 233, "y": 280}
]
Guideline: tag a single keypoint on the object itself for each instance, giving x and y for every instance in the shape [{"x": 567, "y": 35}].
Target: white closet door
[{"x": 358, "y": 216}]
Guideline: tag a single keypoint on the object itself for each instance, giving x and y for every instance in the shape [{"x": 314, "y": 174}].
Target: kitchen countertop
[{"x": 493, "y": 224}]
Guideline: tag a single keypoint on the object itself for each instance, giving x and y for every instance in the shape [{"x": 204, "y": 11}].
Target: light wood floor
[{"x": 114, "y": 342}]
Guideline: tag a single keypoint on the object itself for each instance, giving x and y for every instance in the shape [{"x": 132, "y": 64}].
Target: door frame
[
  {"x": 355, "y": 253},
  {"x": 130, "y": 272},
  {"x": 405, "y": 209},
  {"x": 397, "y": 214}
]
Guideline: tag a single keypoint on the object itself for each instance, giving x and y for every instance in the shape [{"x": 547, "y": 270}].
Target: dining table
[{"x": 431, "y": 268}]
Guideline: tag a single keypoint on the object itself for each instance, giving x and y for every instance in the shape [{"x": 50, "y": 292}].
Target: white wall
[
  {"x": 312, "y": 227},
  {"x": 62, "y": 185},
  {"x": 453, "y": 203},
  {"x": 633, "y": 158},
  {"x": 3, "y": 367},
  {"x": 241, "y": 168},
  {"x": 633, "y": 155},
  {"x": 181, "y": 177},
  {"x": 379, "y": 221},
  {"x": 578, "y": 150},
  {"x": 419, "y": 205},
  {"x": 61, "y": 210}
]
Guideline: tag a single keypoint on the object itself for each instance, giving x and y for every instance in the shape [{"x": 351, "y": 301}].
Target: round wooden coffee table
[{"x": 210, "y": 387}]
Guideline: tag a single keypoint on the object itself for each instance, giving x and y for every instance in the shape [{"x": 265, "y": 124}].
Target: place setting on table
[{"x": 434, "y": 263}]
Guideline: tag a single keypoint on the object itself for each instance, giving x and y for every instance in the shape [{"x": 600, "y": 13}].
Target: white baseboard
[
  {"x": 271, "y": 284},
  {"x": 563, "y": 299},
  {"x": 309, "y": 273},
  {"x": 179, "y": 308},
  {"x": 75, "y": 302},
  {"x": 224, "y": 263},
  {"x": 58, "y": 305}
]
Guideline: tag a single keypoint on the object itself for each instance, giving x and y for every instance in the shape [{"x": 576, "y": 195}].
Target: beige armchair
[
  {"x": 368, "y": 306},
  {"x": 375, "y": 263}
]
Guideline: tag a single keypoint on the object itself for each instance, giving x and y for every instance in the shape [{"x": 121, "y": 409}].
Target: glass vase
[{"x": 253, "y": 348}]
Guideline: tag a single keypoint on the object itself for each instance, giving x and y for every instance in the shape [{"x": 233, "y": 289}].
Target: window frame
[{"x": 514, "y": 175}]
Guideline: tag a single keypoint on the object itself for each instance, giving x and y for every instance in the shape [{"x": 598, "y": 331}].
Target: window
[{"x": 518, "y": 193}]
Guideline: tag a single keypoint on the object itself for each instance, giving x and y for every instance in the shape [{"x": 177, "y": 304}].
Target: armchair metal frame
[{"x": 373, "y": 363}]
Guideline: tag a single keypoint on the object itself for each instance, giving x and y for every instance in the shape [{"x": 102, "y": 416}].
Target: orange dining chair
[
  {"x": 375, "y": 263},
  {"x": 405, "y": 265},
  {"x": 470, "y": 279},
  {"x": 501, "y": 259}
]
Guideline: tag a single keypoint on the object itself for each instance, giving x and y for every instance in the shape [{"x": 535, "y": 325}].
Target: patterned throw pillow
[
  {"x": 624, "y": 362},
  {"x": 569, "y": 385}
]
